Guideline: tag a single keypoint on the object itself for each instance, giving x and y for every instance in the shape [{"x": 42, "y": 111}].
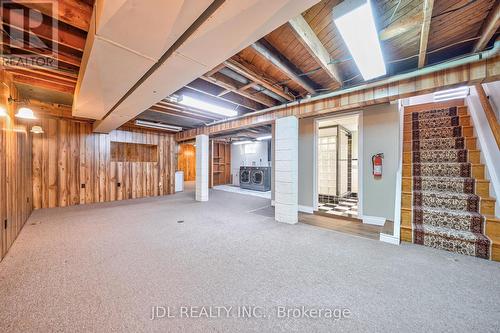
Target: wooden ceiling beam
[
  {"x": 224, "y": 82},
  {"x": 215, "y": 69},
  {"x": 74, "y": 13},
  {"x": 268, "y": 52},
  {"x": 67, "y": 59},
  {"x": 189, "y": 110},
  {"x": 253, "y": 76},
  {"x": 68, "y": 36},
  {"x": 237, "y": 101},
  {"x": 41, "y": 76},
  {"x": 424, "y": 33},
  {"x": 43, "y": 84},
  {"x": 53, "y": 73},
  {"x": 313, "y": 45},
  {"x": 174, "y": 113},
  {"x": 489, "y": 28}
]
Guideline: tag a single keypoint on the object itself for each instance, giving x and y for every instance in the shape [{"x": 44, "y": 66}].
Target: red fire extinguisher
[{"x": 377, "y": 164}]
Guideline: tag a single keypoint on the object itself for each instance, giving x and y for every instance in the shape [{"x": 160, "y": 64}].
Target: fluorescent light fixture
[
  {"x": 266, "y": 137},
  {"x": 445, "y": 95},
  {"x": 25, "y": 113},
  {"x": 196, "y": 103},
  {"x": 150, "y": 124},
  {"x": 3, "y": 112},
  {"x": 355, "y": 21},
  {"x": 237, "y": 143},
  {"x": 37, "y": 130}
]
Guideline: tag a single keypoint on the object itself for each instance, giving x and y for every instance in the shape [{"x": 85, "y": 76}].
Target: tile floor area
[{"x": 345, "y": 207}]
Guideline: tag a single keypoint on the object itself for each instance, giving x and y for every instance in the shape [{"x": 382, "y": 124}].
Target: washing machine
[
  {"x": 245, "y": 174},
  {"x": 260, "y": 178}
]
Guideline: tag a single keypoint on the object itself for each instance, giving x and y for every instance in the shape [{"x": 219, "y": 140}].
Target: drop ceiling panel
[
  {"x": 109, "y": 72},
  {"x": 147, "y": 27}
]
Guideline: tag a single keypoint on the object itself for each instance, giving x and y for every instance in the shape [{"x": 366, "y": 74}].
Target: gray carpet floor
[{"x": 102, "y": 267}]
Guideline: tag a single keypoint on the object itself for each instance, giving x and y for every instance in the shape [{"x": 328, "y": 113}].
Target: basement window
[{"x": 133, "y": 152}]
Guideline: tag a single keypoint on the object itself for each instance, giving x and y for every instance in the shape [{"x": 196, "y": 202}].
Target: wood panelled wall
[
  {"x": 15, "y": 169},
  {"x": 72, "y": 165},
  {"x": 187, "y": 161}
]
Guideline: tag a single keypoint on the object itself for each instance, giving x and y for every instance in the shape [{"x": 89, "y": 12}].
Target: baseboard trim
[
  {"x": 306, "y": 209},
  {"x": 389, "y": 239},
  {"x": 303, "y": 209},
  {"x": 375, "y": 220}
]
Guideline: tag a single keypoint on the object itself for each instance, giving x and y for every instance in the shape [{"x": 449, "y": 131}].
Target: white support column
[
  {"x": 286, "y": 170},
  {"x": 202, "y": 168}
]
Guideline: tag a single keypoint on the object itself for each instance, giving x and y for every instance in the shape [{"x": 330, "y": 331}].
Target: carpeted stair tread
[
  {"x": 436, "y": 122},
  {"x": 445, "y": 209},
  {"x": 433, "y": 133},
  {"x": 449, "y": 200},
  {"x": 438, "y": 143},
  {"x": 442, "y": 169},
  {"x": 440, "y": 156},
  {"x": 435, "y": 113},
  {"x": 451, "y": 233},
  {"x": 462, "y": 242},
  {"x": 444, "y": 184},
  {"x": 442, "y": 217}
]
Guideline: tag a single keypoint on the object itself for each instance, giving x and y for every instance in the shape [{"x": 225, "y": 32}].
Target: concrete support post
[
  {"x": 286, "y": 170},
  {"x": 202, "y": 157}
]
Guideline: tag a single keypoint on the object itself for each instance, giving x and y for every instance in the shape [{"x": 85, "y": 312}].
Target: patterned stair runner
[{"x": 445, "y": 209}]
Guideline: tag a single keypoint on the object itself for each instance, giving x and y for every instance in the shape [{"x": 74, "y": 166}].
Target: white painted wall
[
  {"x": 380, "y": 134},
  {"x": 252, "y": 154},
  {"x": 490, "y": 155}
]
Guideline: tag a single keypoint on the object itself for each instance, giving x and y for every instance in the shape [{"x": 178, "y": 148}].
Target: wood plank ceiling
[
  {"x": 54, "y": 34},
  {"x": 306, "y": 56}
]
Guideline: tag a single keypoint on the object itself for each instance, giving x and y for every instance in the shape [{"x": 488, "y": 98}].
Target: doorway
[{"x": 337, "y": 166}]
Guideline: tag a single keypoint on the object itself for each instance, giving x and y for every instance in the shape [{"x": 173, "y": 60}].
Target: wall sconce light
[
  {"x": 3, "y": 112},
  {"x": 37, "y": 130},
  {"x": 25, "y": 113}
]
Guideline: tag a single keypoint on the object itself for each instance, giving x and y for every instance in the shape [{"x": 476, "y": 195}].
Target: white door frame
[{"x": 360, "y": 158}]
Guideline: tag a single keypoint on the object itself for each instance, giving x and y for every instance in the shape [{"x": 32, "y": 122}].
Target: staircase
[{"x": 445, "y": 200}]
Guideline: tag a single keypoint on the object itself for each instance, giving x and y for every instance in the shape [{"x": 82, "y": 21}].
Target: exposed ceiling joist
[
  {"x": 8, "y": 44},
  {"x": 74, "y": 13},
  {"x": 215, "y": 70},
  {"x": 69, "y": 36},
  {"x": 42, "y": 76},
  {"x": 424, "y": 33},
  {"x": 176, "y": 113},
  {"x": 316, "y": 49},
  {"x": 189, "y": 110},
  {"x": 252, "y": 76},
  {"x": 246, "y": 86},
  {"x": 49, "y": 72},
  {"x": 242, "y": 102},
  {"x": 43, "y": 84},
  {"x": 272, "y": 55},
  {"x": 224, "y": 82},
  {"x": 489, "y": 28},
  {"x": 203, "y": 87}
]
